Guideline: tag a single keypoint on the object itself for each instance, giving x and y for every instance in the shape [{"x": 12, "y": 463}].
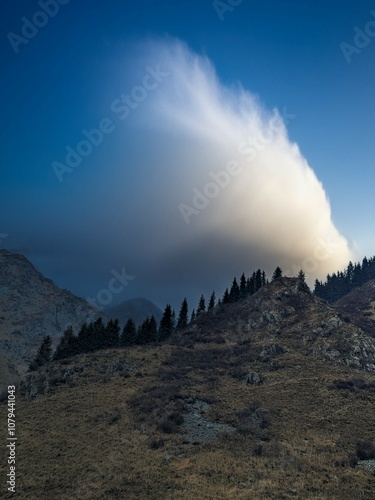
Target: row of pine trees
[
  {"x": 97, "y": 335},
  {"x": 342, "y": 282}
]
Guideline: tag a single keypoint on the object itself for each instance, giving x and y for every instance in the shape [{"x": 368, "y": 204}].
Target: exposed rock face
[
  {"x": 32, "y": 306},
  {"x": 284, "y": 316},
  {"x": 198, "y": 426},
  {"x": 37, "y": 383},
  {"x": 253, "y": 378},
  {"x": 271, "y": 351},
  {"x": 368, "y": 465},
  {"x": 46, "y": 378}
]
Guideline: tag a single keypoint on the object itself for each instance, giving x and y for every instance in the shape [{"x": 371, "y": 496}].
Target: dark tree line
[
  {"x": 96, "y": 335},
  {"x": 91, "y": 337},
  {"x": 245, "y": 287},
  {"x": 44, "y": 354},
  {"x": 342, "y": 282}
]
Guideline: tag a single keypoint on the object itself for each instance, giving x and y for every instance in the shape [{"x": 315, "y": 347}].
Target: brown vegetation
[{"x": 298, "y": 434}]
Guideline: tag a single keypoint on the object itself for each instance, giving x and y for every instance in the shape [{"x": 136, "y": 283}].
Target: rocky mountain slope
[
  {"x": 359, "y": 307},
  {"x": 271, "y": 397},
  {"x": 137, "y": 309},
  {"x": 32, "y": 306},
  {"x": 286, "y": 315}
]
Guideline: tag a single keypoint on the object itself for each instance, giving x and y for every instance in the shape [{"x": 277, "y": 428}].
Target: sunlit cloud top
[{"x": 232, "y": 176}]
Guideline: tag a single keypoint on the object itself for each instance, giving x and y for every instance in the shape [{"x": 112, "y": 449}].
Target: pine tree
[
  {"x": 44, "y": 354},
  {"x": 192, "y": 317},
  {"x": 258, "y": 280},
  {"x": 183, "y": 315},
  {"x": 211, "y": 303},
  {"x": 365, "y": 270},
  {"x": 129, "y": 333},
  {"x": 340, "y": 283},
  {"x": 85, "y": 338},
  {"x": 349, "y": 275},
  {"x": 357, "y": 279},
  {"x": 112, "y": 333},
  {"x": 99, "y": 340},
  {"x": 153, "y": 329},
  {"x": 234, "y": 293},
  {"x": 201, "y": 306},
  {"x": 68, "y": 345},
  {"x": 250, "y": 285},
  {"x": 226, "y": 298},
  {"x": 91, "y": 336},
  {"x": 243, "y": 287},
  {"x": 166, "y": 326},
  {"x": 264, "y": 278},
  {"x": 147, "y": 332},
  {"x": 302, "y": 276},
  {"x": 277, "y": 273}
]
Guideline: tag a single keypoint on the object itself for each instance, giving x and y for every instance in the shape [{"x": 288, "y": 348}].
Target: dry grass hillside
[{"x": 255, "y": 401}]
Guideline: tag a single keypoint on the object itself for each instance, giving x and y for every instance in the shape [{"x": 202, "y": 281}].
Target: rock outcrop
[{"x": 284, "y": 315}]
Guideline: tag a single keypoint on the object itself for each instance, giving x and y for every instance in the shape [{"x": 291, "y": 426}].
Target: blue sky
[{"x": 106, "y": 214}]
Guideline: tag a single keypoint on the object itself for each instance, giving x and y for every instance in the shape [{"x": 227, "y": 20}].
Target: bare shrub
[
  {"x": 365, "y": 450},
  {"x": 253, "y": 420},
  {"x": 239, "y": 372},
  {"x": 160, "y": 406},
  {"x": 353, "y": 384},
  {"x": 156, "y": 444},
  {"x": 167, "y": 426}
]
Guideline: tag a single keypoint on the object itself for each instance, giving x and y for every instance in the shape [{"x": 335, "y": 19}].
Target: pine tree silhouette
[
  {"x": 44, "y": 354},
  {"x": 183, "y": 315}
]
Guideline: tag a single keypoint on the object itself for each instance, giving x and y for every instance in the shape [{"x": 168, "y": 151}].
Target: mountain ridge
[
  {"x": 270, "y": 397},
  {"x": 32, "y": 306}
]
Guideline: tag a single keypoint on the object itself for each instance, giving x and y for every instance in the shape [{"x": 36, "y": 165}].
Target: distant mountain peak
[
  {"x": 137, "y": 309},
  {"x": 32, "y": 306}
]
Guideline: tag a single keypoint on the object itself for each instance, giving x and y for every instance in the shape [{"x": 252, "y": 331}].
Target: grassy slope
[{"x": 87, "y": 440}]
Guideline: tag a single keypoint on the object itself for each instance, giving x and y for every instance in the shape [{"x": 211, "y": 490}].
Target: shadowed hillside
[
  {"x": 268, "y": 398},
  {"x": 32, "y": 306},
  {"x": 359, "y": 307}
]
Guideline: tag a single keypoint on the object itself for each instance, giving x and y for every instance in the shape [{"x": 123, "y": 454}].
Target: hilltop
[{"x": 271, "y": 397}]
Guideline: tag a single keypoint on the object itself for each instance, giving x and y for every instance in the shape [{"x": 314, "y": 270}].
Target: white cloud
[{"x": 275, "y": 208}]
